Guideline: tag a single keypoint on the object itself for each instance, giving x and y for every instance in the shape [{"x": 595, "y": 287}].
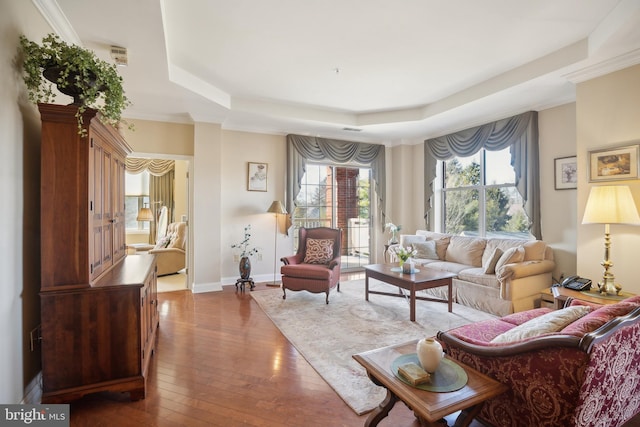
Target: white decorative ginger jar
[{"x": 429, "y": 353}]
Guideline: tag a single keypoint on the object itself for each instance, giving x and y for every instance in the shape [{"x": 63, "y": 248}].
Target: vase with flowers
[
  {"x": 245, "y": 252},
  {"x": 393, "y": 230},
  {"x": 404, "y": 255}
]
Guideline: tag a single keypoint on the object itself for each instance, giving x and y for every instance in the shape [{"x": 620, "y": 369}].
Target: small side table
[
  {"x": 240, "y": 283},
  {"x": 428, "y": 407},
  {"x": 561, "y": 294}
]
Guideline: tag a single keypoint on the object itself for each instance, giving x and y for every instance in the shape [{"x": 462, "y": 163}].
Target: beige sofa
[
  {"x": 170, "y": 250},
  {"x": 498, "y": 276}
]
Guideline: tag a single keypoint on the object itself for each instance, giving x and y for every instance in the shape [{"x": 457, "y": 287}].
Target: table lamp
[
  {"x": 610, "y": 204},
  {"x": 278, "y": 209},
  {"x": 144, "y": 214}
]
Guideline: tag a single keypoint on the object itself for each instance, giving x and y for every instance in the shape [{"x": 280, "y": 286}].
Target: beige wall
[
  {"x": 160, "y": 137},
  {"x": 558, "y": 207},
  {"x": 608, "y": 115}
]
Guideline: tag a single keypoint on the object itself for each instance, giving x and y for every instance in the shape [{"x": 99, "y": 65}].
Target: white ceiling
[{"x": 400, "y": 71}]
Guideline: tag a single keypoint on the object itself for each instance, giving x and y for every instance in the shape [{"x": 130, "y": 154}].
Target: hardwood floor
[{"x": 220, "y": 361}]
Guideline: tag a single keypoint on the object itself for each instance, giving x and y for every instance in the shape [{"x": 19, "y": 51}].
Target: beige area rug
[{"x": 328, "y": 335}]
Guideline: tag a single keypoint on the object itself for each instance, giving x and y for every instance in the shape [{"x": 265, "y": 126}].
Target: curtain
[
  {"x": 301, "y": 149},
  {"x": 156, "y": 167},
  {"x": 161, "y": 194},
  {"x": 518, "y": 132}
]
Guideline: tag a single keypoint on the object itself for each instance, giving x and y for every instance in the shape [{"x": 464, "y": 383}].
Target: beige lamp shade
[
  {"x": 144, "y": 214},
  {"x": 277, "y": 208},
  {"x": 611, "y": 204}
]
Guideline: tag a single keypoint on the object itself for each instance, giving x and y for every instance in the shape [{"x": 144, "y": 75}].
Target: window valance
[
  {"x": 301, "y": 149},
  {"x": 518, "y": 132},
  {"x": 156, "y": 167}
]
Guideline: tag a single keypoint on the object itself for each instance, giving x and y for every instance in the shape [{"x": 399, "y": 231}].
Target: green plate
[{"x": 448, "y": 377}]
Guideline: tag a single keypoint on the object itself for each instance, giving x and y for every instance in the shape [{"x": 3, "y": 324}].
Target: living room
[{"x": 602, "y": 115}]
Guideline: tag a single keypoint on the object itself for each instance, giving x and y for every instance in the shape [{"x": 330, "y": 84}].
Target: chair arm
[
  {"x": 525, "y": 269},
  {"x": 504, "y": 350},
  {"x": 334, "y": 262},
  {"x": 291, "y": 259},
  {"x": 166, "y": 251}
]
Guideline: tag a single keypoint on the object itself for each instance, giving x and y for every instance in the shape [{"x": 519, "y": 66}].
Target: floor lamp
[
  {"x": 278, "y": 209},
  {"x": 610, "y": 204}
]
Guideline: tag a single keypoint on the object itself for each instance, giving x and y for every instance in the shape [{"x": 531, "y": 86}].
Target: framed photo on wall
[
  {"x": 257, "y": 177},
  {"x": 566, "y": 173},
  {"x": 613, "y": 164}
]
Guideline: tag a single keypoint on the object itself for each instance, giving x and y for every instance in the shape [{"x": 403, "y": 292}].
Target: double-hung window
[{"x": 479, "y": 197}]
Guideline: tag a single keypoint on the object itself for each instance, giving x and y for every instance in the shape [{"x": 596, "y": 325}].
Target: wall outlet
[
  {"x": 236, "y": 258},
  {"x": 259, "y": 257}
]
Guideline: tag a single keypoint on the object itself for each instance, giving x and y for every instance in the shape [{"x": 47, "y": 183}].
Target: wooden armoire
[{"x": 99, "y": 311}]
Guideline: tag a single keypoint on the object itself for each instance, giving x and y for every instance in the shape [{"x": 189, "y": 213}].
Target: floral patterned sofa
[{"x": 585, "y": 373}]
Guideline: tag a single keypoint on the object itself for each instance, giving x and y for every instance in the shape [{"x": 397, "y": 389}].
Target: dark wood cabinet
[{"x": 99, "y": 310}]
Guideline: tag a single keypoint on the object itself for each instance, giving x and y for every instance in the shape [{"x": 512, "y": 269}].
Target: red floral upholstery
[{"x": 580, "y": 376}]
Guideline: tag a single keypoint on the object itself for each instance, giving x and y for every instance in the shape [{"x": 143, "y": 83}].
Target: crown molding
[
  {"x": 605, "y": 67},
  {"x": 52, "y": 13}
]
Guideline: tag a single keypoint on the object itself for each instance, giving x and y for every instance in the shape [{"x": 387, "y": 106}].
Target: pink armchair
[
  {"x": 316, "y": 265},
  {"x": 586, "y": 374}
]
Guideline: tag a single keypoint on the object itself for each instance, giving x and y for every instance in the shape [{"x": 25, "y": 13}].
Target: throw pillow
[
  {"x": 547, "y": 323},
  {"x": 162, "y": 242},
  {"x": 510, "y": 256},
  {"x": 534, "y": 250},
  {"x": 411, "y": 239},
  {"x": 426, "y": 250},
  {"x": 490, "y": 266},
  {"x": 318, "y": 251}
]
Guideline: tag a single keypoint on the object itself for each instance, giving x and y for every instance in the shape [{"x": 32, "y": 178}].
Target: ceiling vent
[
  {"x": 352, "y": 129},
  {"x": 119, "y": 55}
]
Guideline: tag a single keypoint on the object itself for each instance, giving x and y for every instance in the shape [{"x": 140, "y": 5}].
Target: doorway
[{"x": 145, "y": 232}]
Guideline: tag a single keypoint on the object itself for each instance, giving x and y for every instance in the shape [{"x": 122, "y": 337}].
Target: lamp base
[
  {"x": 608, "y": 287},
  {"x": 273, "y": 284}
]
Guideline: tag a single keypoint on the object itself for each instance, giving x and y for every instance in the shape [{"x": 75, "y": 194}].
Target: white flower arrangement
[
  {"x": 392, "y": 227},
  {"x": 405, "y": 253}
]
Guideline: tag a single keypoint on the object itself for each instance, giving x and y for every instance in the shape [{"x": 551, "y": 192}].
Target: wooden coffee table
[
  {"x": 429, "y": 407},
  {"x": 426, "y": 278}
]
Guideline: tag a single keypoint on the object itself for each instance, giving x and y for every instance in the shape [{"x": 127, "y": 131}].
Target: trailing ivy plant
[{"x": 98, "y": 82}]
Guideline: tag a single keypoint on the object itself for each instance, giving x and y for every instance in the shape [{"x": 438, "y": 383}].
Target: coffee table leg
[
  {"x": 366, "y": 285},
  {"x": 412, "y": 303},
  {"x": 450, "y": 295}
]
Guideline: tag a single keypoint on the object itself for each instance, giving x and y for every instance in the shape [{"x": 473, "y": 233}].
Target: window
[
  {"x": 337, "y": 197},
  {"x": 136, "y": 196},
  {"x": 479, "y": 197}
]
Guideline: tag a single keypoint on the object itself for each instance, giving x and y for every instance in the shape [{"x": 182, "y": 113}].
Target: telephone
[{"x": 577, "y": 283}]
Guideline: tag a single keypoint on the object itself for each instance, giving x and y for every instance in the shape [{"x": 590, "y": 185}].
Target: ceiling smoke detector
[{"x": 119, "y": 55}]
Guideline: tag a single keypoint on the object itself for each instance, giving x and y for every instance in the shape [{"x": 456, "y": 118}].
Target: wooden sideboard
[{"x": 99, "y": 312}]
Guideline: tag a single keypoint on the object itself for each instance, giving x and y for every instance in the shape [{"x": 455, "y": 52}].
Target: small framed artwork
[
  {"x": 257, "y": 179},
  {"x": 566, "y": 173},
  {"x": 613, "y": 164}
]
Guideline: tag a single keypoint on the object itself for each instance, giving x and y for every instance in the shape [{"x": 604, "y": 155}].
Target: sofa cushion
[
  {"x": 411, "y": 239},
  {"x": 600, "y": 316},
  {"x": 489, "y": 266},
  {"x": 510, "y": 256},
  {"x": 466, "y": 250},
  {"x": 451, "y": 267},
  {"x": 441, "y": 239},
  {"x": 318, "y": 251},
  {"x": 476, "y": 275},
  {"x": 547, "y": 323},
  {"x": 534, "y": 250},
  {"x": 426, "y": 250}
]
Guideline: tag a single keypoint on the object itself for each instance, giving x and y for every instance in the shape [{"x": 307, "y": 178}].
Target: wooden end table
[
  {"x": 429, "y": 407},
  {"x": 426, "y": 278},
  {"x": 561, "y": 294}
]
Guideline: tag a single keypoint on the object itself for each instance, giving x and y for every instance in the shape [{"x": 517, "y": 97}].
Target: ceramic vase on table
[
  {"x": 408, "y": 266},
  {"x": 245, "y": 267},
  {"x": 429, "y": 353}
]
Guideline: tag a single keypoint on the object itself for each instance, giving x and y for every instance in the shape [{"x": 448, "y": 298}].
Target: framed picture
[
  {"x": 257, "y": 178},
  {"x": 566, "y": 173},
  {"x": 613, "y": 164}
]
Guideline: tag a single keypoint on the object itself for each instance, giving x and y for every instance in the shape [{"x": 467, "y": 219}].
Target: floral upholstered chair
[
  {"x": 316, "y": 265},
  {"x": 585, "y": 373}
]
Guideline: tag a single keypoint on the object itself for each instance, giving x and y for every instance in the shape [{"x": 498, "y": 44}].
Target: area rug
[{"x": 328, "y": 335}]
